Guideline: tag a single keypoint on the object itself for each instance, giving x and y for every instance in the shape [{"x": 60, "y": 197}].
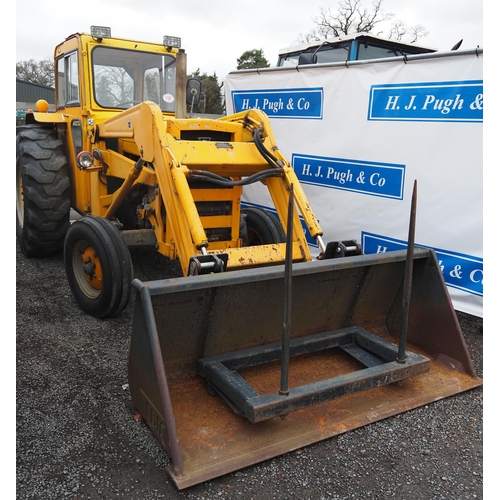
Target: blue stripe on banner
[
  {"x": 460, "y": 271},
  {"x": 281, "y": 103},
  {"x": 460, "y": 101},
  {"x": 377, "y": 179}
]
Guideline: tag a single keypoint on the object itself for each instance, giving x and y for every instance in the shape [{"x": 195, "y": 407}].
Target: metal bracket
[
  {"x": 337, "y": 249},
  {"x": 206, "y": 264}
]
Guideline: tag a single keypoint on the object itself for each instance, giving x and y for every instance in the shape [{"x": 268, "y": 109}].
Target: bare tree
[
  {"x": 41, "y": 72},
  {"x": 113, "y": 85},
  {"x": 400, "y": 30},
  {"x": 352, "y": 16}
]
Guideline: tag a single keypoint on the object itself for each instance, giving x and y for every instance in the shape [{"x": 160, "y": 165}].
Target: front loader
[{"x": 258, "y": 349}]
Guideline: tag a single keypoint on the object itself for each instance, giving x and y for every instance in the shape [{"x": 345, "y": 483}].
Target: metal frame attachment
[{"x": 378, "y": 356}]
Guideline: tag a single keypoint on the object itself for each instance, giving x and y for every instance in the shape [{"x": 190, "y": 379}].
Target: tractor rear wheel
[
  {"x": 263, "y": 228},
  {"x": 98, "y": 266},
  {"x": 42, "y": 191}
]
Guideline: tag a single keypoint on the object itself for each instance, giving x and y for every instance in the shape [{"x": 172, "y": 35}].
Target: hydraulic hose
[
  {"x": 276, "y": 171},
  {"x": 194, "y": 175},
  {"x": 269, "y": 157}
]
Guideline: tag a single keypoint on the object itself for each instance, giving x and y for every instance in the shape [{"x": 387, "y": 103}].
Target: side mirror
[
  {"x": 308, "y": 58},
  {"x": 193, "y": 92}
]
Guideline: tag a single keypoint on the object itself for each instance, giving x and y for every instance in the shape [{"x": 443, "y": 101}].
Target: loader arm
[{"x": 198, "y": 161}]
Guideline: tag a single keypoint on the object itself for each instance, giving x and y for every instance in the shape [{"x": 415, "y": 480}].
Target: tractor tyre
[
  {"x": 263, "y": 228},
  {"x": 98, "y": 266},
  {"x": 42, "y": 191}
]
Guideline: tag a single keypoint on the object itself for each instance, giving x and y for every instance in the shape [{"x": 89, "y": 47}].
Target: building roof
[{"x": 28, "y": 92}]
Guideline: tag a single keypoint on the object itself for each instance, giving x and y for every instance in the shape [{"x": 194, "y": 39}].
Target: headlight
[
  {"x": 84, "y": 160},
  {"x": 171, "y": 41},
  {"x": 100, "y": 32}
]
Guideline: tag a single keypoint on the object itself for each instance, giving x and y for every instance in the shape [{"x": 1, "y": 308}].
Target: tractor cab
[{"x": 122, "y": 73}]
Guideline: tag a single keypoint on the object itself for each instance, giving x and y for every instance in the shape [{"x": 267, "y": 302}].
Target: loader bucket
[{"x": 206, "y": 367}]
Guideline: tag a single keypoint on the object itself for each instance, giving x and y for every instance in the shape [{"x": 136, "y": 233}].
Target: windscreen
[
  {"x": 123, "y": 78},
  {"x": 326, "y": 54}
]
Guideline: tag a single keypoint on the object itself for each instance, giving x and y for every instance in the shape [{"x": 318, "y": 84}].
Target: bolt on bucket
[{"x": 206, "y": 367}]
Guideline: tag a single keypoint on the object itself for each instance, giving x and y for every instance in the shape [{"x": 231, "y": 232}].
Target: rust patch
[
  {"x": 304, "y": 369},
  {"x": 215, "y": 441}
]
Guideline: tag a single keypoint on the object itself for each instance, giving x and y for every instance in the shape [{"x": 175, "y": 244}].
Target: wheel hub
[{"x": 92, "y": 268}]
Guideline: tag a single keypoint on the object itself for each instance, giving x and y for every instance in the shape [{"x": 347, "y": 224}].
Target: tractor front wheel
[
  {"x": 262, "y": 227},
  {"x": 98, "y": 266}
]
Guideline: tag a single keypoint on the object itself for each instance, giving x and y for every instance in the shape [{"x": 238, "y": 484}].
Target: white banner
[{"x": 358, "y": 137}]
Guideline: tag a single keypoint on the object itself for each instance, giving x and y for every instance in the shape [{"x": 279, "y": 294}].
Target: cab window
[
  {"x": 123, "y": 78},
  {"x": 67, "y": 86}
]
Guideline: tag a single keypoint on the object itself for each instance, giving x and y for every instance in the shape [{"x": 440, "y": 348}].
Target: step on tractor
[{"x": 258, "y": 348}]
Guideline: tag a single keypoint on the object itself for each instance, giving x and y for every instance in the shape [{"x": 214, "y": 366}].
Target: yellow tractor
[{"x": 258, "y": 349}]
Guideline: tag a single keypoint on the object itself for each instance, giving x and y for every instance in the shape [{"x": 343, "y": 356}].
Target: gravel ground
[{"x": 76, "y": 438}]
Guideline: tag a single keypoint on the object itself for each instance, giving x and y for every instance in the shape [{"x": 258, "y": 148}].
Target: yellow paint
[{"x": 121, "y": 137}]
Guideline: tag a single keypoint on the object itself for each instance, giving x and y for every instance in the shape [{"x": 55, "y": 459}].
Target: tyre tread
[{"x": 46, "y": 190}]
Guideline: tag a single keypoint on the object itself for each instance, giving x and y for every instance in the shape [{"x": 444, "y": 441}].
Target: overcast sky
[{"x": 215, "y": 34}]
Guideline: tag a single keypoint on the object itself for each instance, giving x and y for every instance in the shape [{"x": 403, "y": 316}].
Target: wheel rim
[
  {"x": 87, "y": 269},
  {"x": 254, "y": 238},
  {"x": 19, "y": 195}
]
